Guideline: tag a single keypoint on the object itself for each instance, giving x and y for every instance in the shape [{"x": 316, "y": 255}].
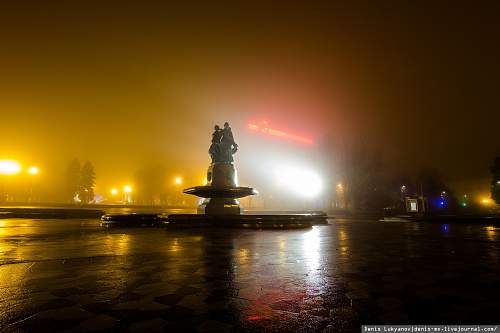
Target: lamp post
[
  {"x": 127, "y": 189},
  {"x": 33, "y": 171},
  {"x": 7, "y": 168},
  {"x": 114, "y": 192},
  {"x": 340, "y": 202},
  {"x": 178, "y": 183}
]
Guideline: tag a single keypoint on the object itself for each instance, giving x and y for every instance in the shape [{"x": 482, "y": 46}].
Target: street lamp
[
  {"x": 340, "y": 196},
  {"x": 177, "y": 182},
  {"x": 114, "y": 191},
  {"x": 33, "y": 170},
  {"x": 9, "y": 167},
  {"x": 486, "y": 201},
  {"x": 127, "y": 189}
]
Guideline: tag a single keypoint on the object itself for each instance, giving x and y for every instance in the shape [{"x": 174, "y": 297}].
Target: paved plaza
[{"x": 72, "y": 275}]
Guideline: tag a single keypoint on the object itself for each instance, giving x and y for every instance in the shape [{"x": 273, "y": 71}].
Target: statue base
[
  {"x": 221, "y": 192},
  {"x": 220, "y": 206}
]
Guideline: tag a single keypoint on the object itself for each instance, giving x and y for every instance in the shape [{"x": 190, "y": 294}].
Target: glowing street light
[
  {"x": 114, "y": 191},
  {"x": 127, "y": 189},
  {"x": 485, "y": 201},
  {"x": 33, "y": 170},
  {"x": 178, "y": 180},
  {"x": 9, "y": 167}
]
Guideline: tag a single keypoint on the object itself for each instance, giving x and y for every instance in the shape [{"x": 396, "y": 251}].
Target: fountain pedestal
[{"x": 222, "y": 192}]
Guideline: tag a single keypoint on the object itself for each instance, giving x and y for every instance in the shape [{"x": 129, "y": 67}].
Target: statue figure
[
  {"x": 223, "y": 146},
  {"x": 215, "y": 149},
  {"x": 228, "y": 145}
]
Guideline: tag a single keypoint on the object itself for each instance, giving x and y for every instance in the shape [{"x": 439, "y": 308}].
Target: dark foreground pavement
[{"x": 72, "y": 275}]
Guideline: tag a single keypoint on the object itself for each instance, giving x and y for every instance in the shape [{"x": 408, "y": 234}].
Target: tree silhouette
[
  {"x": 365, "y": 185},
  {"x": 87, "y": 183},
  {"x": 495, "y": 180},
  {"x": 72, "y": 180},
  {"x": 435, "y": 189}
]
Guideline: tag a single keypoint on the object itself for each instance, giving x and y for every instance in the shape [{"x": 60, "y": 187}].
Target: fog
[{"x": 129, "y": 87}]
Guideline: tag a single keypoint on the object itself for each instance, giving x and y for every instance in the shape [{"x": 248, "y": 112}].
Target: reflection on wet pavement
[{"x": 73, "y": 275}]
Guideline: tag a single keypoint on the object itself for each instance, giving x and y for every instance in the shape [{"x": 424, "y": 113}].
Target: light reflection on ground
[{"x": 60, "y": 274}]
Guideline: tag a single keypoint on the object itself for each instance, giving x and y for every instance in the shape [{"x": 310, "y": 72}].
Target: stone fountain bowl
[{"x": 220, "y": 192}]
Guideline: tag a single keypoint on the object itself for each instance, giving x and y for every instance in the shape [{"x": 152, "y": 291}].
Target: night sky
[{"x": 125, "y": 84}]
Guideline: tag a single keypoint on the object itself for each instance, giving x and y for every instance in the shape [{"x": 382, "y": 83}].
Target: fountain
[
  {"x": 222, "y": 192},
  {"x": 220, "y": 205}
]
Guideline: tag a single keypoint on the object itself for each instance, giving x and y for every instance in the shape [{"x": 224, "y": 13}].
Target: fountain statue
[
  {"x": 220, "y": 206},
  {"x": 221, "y": 193}
]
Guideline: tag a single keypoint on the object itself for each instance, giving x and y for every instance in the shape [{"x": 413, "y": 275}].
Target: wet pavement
[{"x": 72, "y": 275}]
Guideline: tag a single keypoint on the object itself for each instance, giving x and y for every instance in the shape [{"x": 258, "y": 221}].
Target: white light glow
[
  {"x": 33, "y": 170},
  {"x": 8, "y": 167},
  {"x": 302, "y": 182}
]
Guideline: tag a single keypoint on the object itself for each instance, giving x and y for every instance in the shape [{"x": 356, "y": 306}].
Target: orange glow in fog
[{"x": 264, "y": 128}]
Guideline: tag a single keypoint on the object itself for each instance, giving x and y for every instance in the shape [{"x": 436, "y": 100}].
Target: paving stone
[
  {"x": 169, "y": 299},
  {"x": 396, "y": 273},
  {"x": 99, "y": 323},
  {"x": 213, "y": 326},
  {"x": 151, "y": 325}
]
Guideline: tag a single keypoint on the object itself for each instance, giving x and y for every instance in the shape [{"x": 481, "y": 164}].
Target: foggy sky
[{"x": 132, "y": 84}]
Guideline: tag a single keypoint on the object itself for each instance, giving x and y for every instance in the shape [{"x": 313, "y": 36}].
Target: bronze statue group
[{"x": 223, "y": 146}]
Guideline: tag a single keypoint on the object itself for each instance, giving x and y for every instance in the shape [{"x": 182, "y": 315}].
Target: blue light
[{"x": 440, "y": 203}]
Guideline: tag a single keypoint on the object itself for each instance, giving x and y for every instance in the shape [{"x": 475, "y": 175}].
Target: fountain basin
[
  {"x": 182, "y": 221},
  {"x": 233, "y": 192}
]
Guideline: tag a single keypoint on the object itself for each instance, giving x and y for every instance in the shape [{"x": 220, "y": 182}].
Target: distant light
[
  {"x": 302, "y": 182},
  {"x": 8, "y": 167},
  {"x": 127, "y": 189},
  {"x": 114, "y": 191},
  {"x": 464, "y": 204},
  {"x": 33, "y": 170},
  {"x": 178, "y": 180},
  {"x": 340, "y": 187},
  {"x": 486, "y": 201}
]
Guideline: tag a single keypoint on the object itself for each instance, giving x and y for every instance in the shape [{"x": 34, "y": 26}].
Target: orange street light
[
  {"x": 9, "y": 167},
  {"x": 33, "y": 170}
]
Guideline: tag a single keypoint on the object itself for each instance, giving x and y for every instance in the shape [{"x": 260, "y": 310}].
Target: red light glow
[{"x": 264, "y": 128}]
